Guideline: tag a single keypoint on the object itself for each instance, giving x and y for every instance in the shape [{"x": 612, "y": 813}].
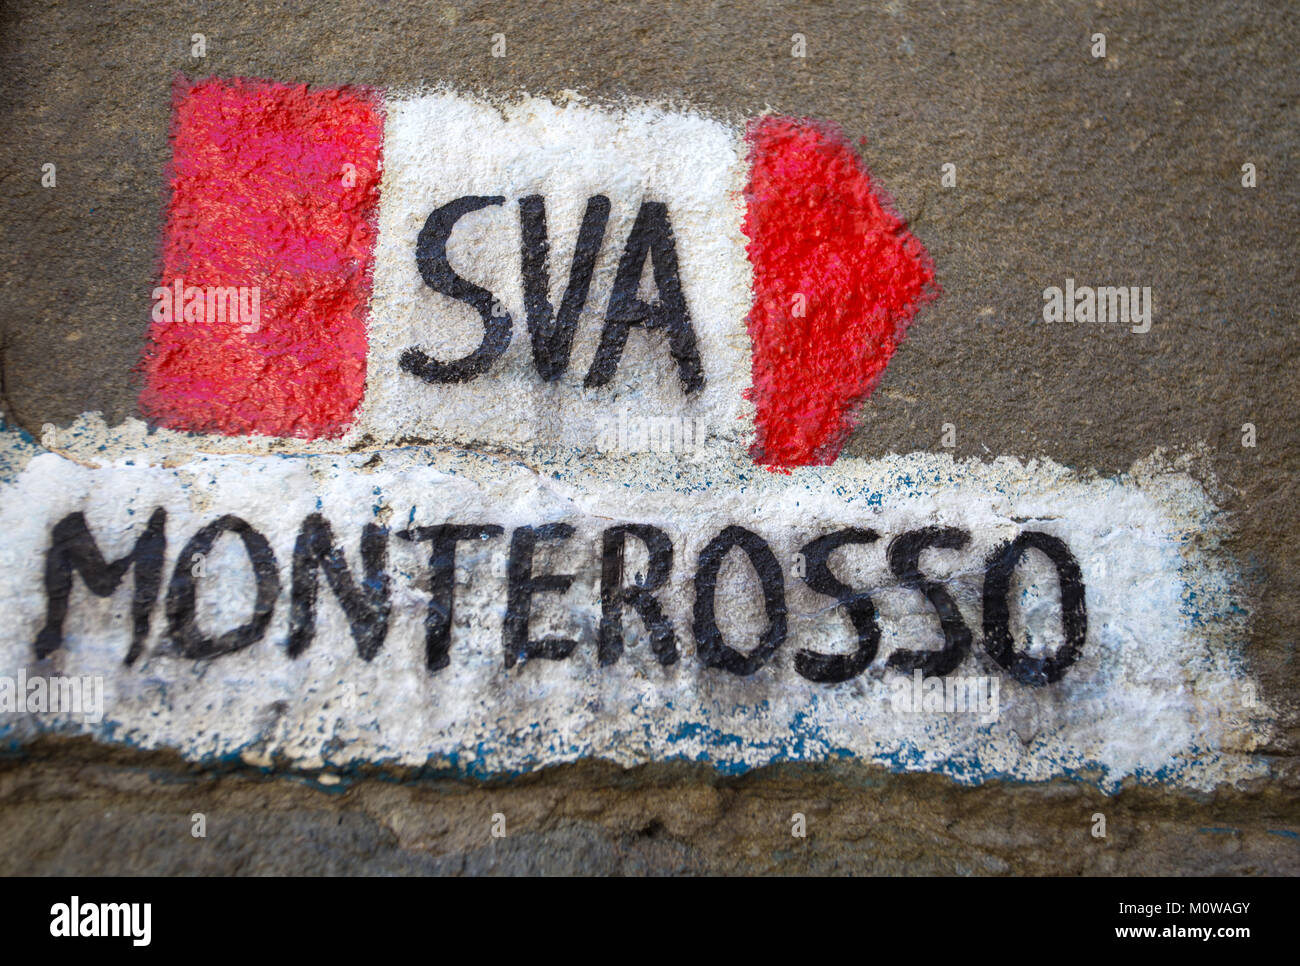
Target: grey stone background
[{"x": 1122, "y": 171}]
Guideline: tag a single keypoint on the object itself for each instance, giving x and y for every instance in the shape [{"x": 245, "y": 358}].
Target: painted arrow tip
[{"x": 837, "y": 280}]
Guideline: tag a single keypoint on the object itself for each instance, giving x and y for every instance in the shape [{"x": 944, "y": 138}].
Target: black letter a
[{"x": 651, "y": 234}]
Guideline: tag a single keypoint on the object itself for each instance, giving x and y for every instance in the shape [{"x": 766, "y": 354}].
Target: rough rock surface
[{"x": 1122, "y": 170}]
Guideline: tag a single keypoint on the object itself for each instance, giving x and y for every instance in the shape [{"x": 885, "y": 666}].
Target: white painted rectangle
[
  {"x": 440, "y": 147},
  {"x": 1158, "y": 692}
]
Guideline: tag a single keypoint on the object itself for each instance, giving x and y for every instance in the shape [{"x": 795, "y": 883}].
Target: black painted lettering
[
  {"x": 431, "y": 259},
  {"x": 182, "y": 624},
  {"x": 831, "y": 668},
  {"x": 998, "y": 642},
  {"x": 613, "y": 593},
  {"x": 73, "y": 549},
  {"x": 905, "y": 562},
  {"x": 522, "y": 584},
  {"x": 651, "y": 235},
  {"x": 713, "y": 651},
  {"x": 366, "y": 606},
  {"x": 442, "y": 542},
  {"x": 553, "y": 338}
]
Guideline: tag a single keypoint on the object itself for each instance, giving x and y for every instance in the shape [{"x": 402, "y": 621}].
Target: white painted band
[
  {"x": 441, "y": 147},
  {"x": 1158, "y": 691}
]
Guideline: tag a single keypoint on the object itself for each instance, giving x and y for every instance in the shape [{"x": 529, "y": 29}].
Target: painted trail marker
[
  {"x": 427, "y": 344},
  {"x": 535, "y": 268}
]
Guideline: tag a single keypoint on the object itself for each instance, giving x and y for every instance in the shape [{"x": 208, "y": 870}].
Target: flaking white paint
[{"x": 1160, "y": 691}]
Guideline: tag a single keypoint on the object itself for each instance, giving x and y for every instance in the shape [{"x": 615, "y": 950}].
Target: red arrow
[{"x": 837, "y": 279}]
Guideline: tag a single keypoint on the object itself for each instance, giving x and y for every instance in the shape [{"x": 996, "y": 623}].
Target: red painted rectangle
[{"x": 275, "y": 192}]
